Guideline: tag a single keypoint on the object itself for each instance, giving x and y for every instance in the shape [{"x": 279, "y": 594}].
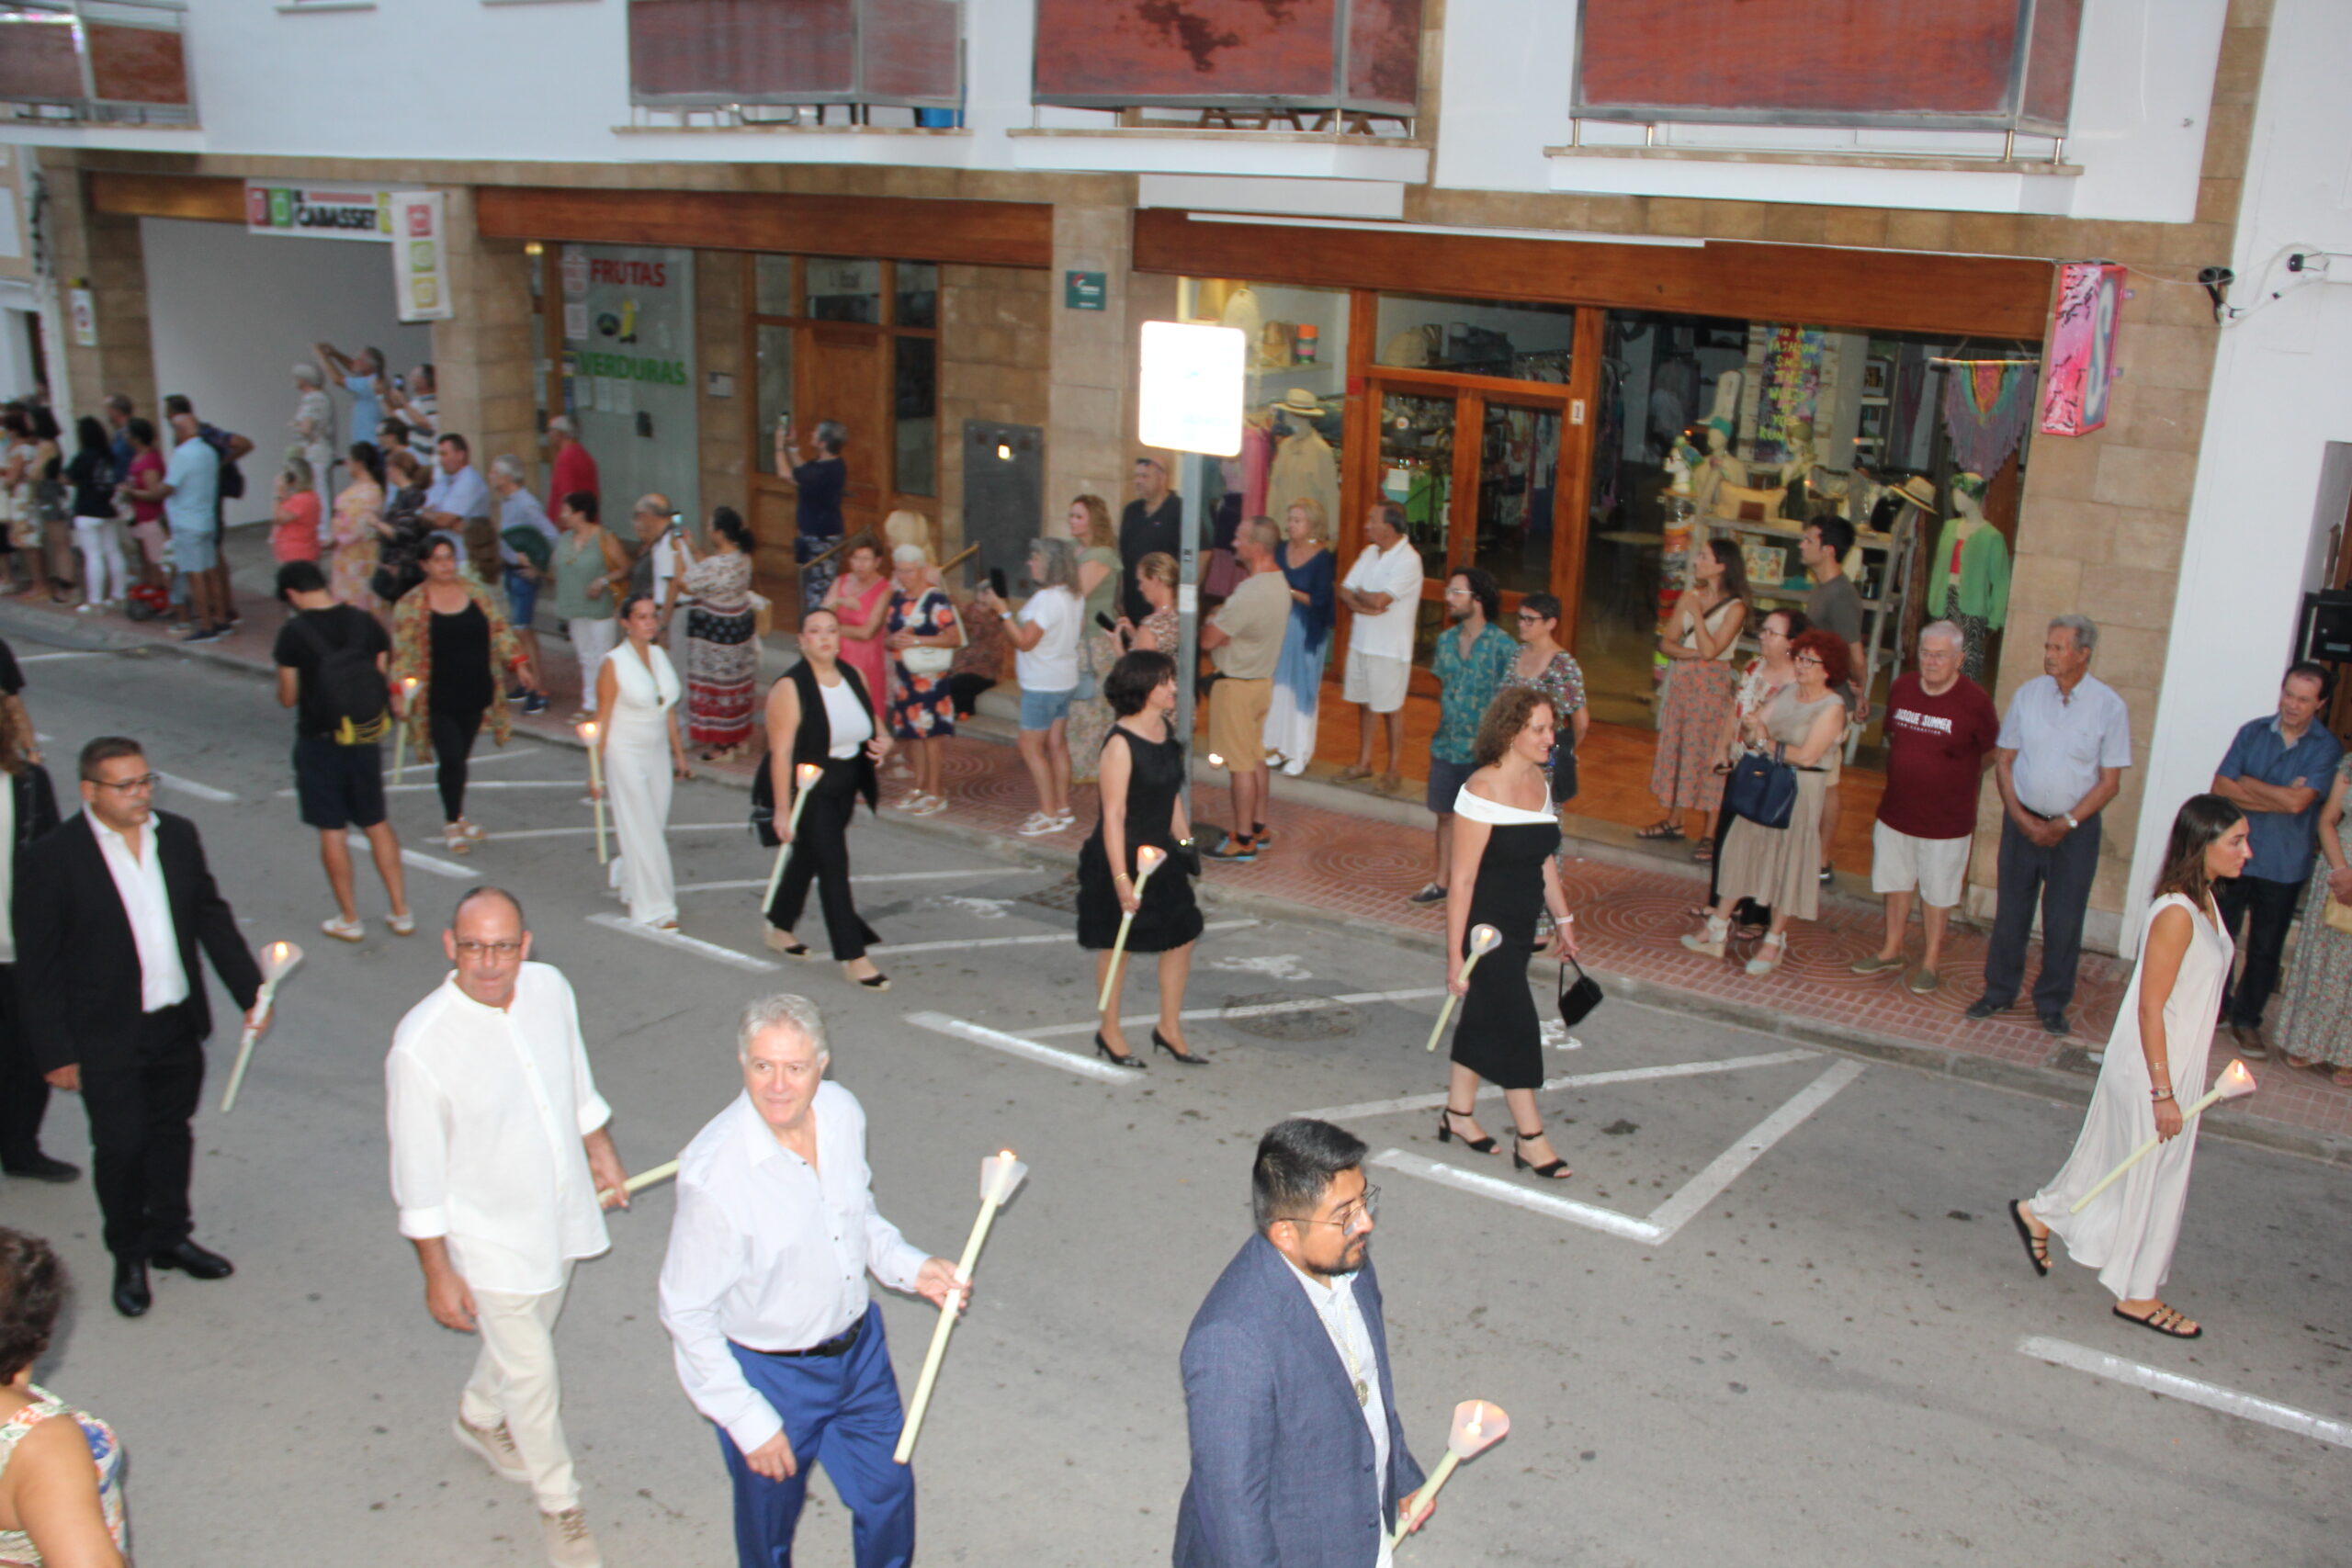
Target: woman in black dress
[
  {"x": 1142, "y": 795},
  {"x": 1505, "y": 835}
]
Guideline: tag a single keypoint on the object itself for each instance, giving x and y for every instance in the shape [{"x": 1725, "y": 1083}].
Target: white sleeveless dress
[
  {"x": 639, "y": 780},
  {"x": 2128, "y": 1230}
]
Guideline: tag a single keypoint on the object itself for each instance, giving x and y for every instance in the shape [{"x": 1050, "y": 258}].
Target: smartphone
[
  {"x": 1105, "y": 622},
  {"x": 997, "y": 583},
  {"x": 784, "y": 425}
]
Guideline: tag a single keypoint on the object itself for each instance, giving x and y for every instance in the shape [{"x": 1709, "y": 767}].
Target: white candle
[
  {"x": 1478, "y": 1426},
  {"x": 804, "y": 777},
  {"x": 2235, "y": 1083},
  {"x": 595, "y": 784},
  {"x": 1483, "y": 940},
  {"x": 400, "y": 726},
  {"x": 1148, "y": 859},
  {"x": 999, "y": 1175},
  {"x": 277, "y": 961}
]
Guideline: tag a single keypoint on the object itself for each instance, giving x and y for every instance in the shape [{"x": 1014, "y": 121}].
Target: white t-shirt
[
  {"x": 1052, "y": 665},
  {"x": 1398, "y": 573},
  {"x": 845, "y": 720}
]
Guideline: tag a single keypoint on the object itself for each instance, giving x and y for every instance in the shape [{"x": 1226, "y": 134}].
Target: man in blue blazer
[{"x": 1298, "y": 1459}]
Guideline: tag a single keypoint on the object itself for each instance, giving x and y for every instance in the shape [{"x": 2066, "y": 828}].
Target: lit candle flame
[
  {"x": 1216, "y": 760},
  {"x": 1477, "y": 1418},
  {"x": 2236, "y": 1081},
  {"x": 588, "y": 730},
  {"x": 1005, "y": 1155},
  {"x": 1485, "y": 939},
  {"x": 1149, "y": 856},
  {"x": 807, "y": 773},
  {"x": 409, "y": 685},
  {"x": 277, "y": 951}
]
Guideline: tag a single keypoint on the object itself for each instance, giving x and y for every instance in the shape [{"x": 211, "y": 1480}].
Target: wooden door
[{"x": 844, "y": 376}]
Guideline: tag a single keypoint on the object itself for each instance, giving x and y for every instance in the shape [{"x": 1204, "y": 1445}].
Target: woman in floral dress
[
  {"x": 357, "y": 512},
  {"x": 722, "y": 647},
  {"x": 2315, "y": 1005},
  {"x": 923, "y": 709}
]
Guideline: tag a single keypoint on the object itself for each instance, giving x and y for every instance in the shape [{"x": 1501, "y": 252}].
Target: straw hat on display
[{"x": 1299, "y": 401}]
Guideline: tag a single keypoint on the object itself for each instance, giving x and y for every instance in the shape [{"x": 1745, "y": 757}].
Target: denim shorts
[
  {"x": 1042, "y": 710},
  {"x": 194, "y": 550},
  {"x": 522, "y": 599}
]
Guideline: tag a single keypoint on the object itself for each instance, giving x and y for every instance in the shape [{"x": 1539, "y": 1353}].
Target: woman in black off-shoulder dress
[
  {"x": 1143, "y": 803},
  {"x": 1505, "y": 835}
]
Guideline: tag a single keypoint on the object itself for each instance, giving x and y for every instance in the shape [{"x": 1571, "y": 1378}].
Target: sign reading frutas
[
  {"x": 319, "y": 212},
  {"x": 421, "y": 255}
]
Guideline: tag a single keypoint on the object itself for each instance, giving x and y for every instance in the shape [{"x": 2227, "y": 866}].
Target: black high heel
[
  {"x": 1103, "y": 1048},
  {"x": 1446, "y": 1135},
  {"x": 1186, "y": 1057},
  {"x": 1552, "y": 1170}
]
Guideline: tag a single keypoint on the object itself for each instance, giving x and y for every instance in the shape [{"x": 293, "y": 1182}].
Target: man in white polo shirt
[{"x": 1383, "y": 591}]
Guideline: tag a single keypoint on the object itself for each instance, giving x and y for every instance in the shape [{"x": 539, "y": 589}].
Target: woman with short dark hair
[
  {"x": 1142, "y": 799},
  {"x": 637, "y": 730},
  {"x": 61, "y": 1481},
  {"x": 97, "y": 535}
]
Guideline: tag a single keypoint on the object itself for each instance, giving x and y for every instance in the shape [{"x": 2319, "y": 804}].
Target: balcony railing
[
  {"x": 118, "y": 60},
  {"x": 721, "y": 55},
  {"x": 1233, "y": 59}
]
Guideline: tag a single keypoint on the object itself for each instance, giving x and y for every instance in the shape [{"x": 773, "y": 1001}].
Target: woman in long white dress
[
  {"x": 2155, "y": 1056},
  {"x": 637, "y": 730}
]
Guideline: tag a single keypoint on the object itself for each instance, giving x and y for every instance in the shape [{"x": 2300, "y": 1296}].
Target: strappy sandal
[
  {"x": 2037, "y": 1247},
  {"x": 1666, "y": 832},
  {"x": 1703, "y": 852},
  {"x": 2163, "y": 1321}
]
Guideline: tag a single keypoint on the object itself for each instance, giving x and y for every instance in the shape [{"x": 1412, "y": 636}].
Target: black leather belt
[{"x": 839, "y": 1345}]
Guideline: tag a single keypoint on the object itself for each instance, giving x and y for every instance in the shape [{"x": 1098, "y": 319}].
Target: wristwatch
[{"x": 2071, "y": 823}]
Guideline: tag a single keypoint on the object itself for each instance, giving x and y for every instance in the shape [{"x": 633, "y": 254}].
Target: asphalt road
[{"x": 1776, "y": 1318}]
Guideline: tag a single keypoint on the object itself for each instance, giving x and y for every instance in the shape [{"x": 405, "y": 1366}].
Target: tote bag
[{"x": 1763, "y": 789}]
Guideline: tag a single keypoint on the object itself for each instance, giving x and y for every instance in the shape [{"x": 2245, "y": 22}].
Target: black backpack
[
  {"x": 350, "y": 688},
  {"x": 232, "y": 479}
]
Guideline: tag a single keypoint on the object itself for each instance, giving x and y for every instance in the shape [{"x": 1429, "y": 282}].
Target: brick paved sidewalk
[{"x": 1338, "y": 865}]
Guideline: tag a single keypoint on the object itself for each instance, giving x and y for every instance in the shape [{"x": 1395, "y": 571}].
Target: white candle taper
[
  {"x": 595, "y": 784},
  {"x": 803, "y": 776},
  {"x": 1000, "y": 1174},
  {"x": 277, "y": 961},
  {"x": 1148, "y": 859},
  {"x": 1483, "y": 940},
  {"x": 400, "y": 726},
  {"x": 2235, "y": 1083},
  {"x": 1478, "y": 1424}
]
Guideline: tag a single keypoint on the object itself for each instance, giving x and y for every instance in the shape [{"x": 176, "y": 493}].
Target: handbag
[
  {"x": 1763, "y": 789},
  {"x": 925, "y": 658},
  {"x": 1578, "y": 998},
  {"x": 2339, "y": 915}
]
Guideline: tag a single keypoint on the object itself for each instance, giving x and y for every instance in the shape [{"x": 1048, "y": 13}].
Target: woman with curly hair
[
  {"x": 61, "y": 1481},
  {"x": 1506, "y": 836}
]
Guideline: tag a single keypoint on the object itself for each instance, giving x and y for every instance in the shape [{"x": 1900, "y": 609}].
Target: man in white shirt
[
  {"x": 502, "y": 1159},
  {"x": 764, "y": 1293},
  {"x": 457, "y": 491},
  {"x": 1383, "y": 591}
]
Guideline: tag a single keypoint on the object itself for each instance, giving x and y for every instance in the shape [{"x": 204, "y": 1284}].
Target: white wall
[
  {"x": 2280, "y": 395},
  {"x": 230, "y": 312}
]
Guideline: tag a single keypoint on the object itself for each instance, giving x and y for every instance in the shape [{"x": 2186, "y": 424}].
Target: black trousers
[
  {"x": 140, "y": 1145},
  {"x": 24, "y": 1093},
  {"x": 2059, "y": 879},
  {"x": 453, "y": 743},
  {"x": 820, "y": 854},
  {"x": 2272, "y": 907}
]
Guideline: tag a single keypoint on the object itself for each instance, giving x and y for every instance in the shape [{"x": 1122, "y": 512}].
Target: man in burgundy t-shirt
[
  {"x": 1940, "y": 730},
  {"x": 575, "y": 470}
]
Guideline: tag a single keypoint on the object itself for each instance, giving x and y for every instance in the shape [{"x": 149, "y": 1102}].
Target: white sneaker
[
  {"x": 495, "y": 1448},
  {"x": 1038, "y": 826},
  {"x": 570, "y": 1543}
]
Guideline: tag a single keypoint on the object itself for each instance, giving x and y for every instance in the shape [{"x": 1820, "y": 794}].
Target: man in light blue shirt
[
  {"x": 457, "y": 491},
  {"x": 2276, "y": 772},
  {"x": 2059, "y": 760},
  {"x": 191, "y": 510}
]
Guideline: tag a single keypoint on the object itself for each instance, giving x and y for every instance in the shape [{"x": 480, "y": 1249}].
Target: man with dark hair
[
  {"x": 109, "y": 911},
  {"x": 1834, "y": 604},
  {"x": 227, "y": 484},
  {"x": 2276, "y": 770},
  {"x": 1473, "y": 657},
  {"x": 1298, "y": 1457},
  {"x": 457, "y": 491},
  {"x": 331, "y": 660},
  {"x": 1153, "y": 522}
]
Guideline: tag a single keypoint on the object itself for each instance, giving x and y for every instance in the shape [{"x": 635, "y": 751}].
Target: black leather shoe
[
  {"x": 1983, "y": 1006},
  {"x": 38, "y": 1166},
  {"x": 131, "y": 1296},
  {"x": 2055, "y": 1023},
  {"x": 192, "y": 1261}
]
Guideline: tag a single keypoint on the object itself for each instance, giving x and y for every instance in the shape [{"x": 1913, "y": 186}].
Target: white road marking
[
  {"x": 482, "y": 759},
  {"x": 201, "y": 791},
  {"x": 1256, "y": 1010},
  {"x": 1274, "y": 966},
  {"x": 422, "y": 861},
  {"x": 1014, "y": 1045},
  {"x": 2212, "y": 1397},
  {"x": 963, "y": 942},
  {"x": 750, "y": 883},
  {"x": 1669, "y": 1216},
  {"x": 472, "y": 785},
  {"x": 50, "y": 658},
  {"x": 679, "y": 939},
  {"x": 1569, "y": 1080},
  {"x": 591, "y": 828}
]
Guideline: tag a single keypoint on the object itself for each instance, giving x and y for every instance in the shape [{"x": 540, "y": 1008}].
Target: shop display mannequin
[
  {"x": 1304, "y": 465},
  {"x": 1719, "y": 466},
  {"x": 1797, "y": 474},
  {"x": 1969, "y": 574}
]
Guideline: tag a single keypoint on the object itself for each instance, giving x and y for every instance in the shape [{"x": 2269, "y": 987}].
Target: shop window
[
  {"x": 772, "y": 355},
  {"x": 1232, "y": 58},
  {"x": 1476, "y": 337},
  {"x": 841, "y": 290},
  {"x": 915, "y": 415},
  {"x": 916, "y": 294},
  {"x": 772, "y": 286},
  {"x": 122, "y": 61},
  {"x": 1296, "y": 392}
]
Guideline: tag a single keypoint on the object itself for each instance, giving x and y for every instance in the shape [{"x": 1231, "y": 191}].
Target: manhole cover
[
  {"x": 1062, "y": 895},
  {"x": 1286, "y": 1015}
]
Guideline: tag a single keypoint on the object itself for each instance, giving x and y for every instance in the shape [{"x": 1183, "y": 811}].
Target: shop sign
[
  {"x": 1085, "y": 290},
  {"x": 1192, "y": 378},
  {"x": 319, "y": 212},
  {"x": 2082, "y": 348},
  {"x": 421, "y": 255},
  {"x": 629, "y": 365},
  {"x": 83, "y": 310}
]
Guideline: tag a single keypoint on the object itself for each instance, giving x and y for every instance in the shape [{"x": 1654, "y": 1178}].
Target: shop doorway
[{"x": 843, "y": 380}]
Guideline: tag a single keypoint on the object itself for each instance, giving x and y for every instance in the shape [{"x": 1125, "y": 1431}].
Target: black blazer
[
  {"x": 814, "y": 743},
  {"x": 77, "y": 963}
]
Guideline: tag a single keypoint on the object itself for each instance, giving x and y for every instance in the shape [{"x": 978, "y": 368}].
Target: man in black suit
[{"x": 110, "y": 910}]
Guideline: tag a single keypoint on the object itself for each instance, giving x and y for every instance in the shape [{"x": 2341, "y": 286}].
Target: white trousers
[
  {"x": 591, "y": 640},
  {"x": 639, "y": 783},
  {"x": 104, "y": 575},
  {"x": 514, "y": 1381}
]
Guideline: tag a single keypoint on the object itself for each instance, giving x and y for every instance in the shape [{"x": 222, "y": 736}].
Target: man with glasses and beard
[
  {"x": 502, "y": 1160},
  {"x": 1298, "y": 1457}
]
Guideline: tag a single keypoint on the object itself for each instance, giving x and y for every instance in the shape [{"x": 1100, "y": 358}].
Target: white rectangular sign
[
  {"x": 1192, "y": 378},
  {"x": 319, "y": 212},
  {"x": 421, "y": 254}
]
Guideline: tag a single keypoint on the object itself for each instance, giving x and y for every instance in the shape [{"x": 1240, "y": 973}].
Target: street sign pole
[{"x": 1193, "y": 481}]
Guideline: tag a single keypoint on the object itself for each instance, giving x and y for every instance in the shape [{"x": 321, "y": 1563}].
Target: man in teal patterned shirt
[{"x": 1473, "y": 656}]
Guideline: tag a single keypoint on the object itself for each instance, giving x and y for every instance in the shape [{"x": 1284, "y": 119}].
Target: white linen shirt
[
  {"x": 771, "y": 1253},
  {"x": 2063, "y": 741},
  {"x": 487, "y": 1107},
  {"x": 1342, "y": 1319},
  {"x": 162, "y": 980},
  {"x": 1398, "y": 573}
]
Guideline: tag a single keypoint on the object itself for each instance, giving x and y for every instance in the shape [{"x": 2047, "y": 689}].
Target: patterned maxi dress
[
  {"x": 722, "y": 653},
  {"x": 2315, "y": 1004},
  {"x": 921, "y": 706},
  {"x": 106, "y": 1453},
  {"x": 1696, "y": 700},
  {"x": 355, "y": 543}
]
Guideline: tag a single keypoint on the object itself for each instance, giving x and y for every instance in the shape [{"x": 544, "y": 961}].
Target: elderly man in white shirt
[
  {"x": 764, "y": 1293},
  {"x": 501, "y": 1161},
  {"x": 1383, "y": 591}
]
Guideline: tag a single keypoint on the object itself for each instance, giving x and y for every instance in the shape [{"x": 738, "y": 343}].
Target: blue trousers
[{"x": 841, "y": 1411}]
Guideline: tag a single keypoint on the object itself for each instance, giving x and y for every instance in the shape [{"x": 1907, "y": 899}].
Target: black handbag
[
  {"x": 1578, "y": 998},
  {"x": 1763, "y": 789}
]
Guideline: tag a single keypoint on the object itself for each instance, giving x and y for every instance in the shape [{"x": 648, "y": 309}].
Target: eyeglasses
[
  {"x": 1812, "y": 658},
  {"x": 1531, "y": 615},
  {"x": 143, "y": 783},
  {"x": 489, "y": 949},
  {"x": 1350, "y": 1216}
]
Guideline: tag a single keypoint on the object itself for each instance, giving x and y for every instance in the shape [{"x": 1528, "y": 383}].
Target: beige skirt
[{"x": 1779, "y": 866}]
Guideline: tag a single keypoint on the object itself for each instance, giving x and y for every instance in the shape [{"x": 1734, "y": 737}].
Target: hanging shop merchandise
[{"x": 1972, "y": 573}]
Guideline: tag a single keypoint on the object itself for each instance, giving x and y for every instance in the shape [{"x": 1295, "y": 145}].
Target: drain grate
[
  {"x": 1062, "y": 895},
  {"x": 1288, "y": 1016}
]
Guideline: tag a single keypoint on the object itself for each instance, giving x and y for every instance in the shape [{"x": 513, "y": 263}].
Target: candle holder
[
  {"x": 277, "y": 961},
  {"x": 1148, "y": 859},
  {"x": 804, "y": 775},
  {"x": 1478, "y": 1424},
  {"x": 999, "y": 1175},
  {"x": 596, "y": 784},
  {"x": 2235, "y": 1083},
  {"x": 1483, "y": 940}
]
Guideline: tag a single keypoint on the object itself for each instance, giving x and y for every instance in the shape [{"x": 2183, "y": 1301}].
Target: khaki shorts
[
  {"x": 1237, "y": 721},
  {"x": 1376, "y": 683},
  {"x": 1937, "y": 867}
]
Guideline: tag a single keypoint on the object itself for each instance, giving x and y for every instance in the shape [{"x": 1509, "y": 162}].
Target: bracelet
[
  {"x": 2160, "y": 1094},
  {"x": 1121, "y": 876}
]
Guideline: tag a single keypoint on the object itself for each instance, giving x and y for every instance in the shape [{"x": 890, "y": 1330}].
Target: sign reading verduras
[
  {"x": 421, "y": 255},
  {"x": 629, "y": 368},
  {"x": 1192, "y": 378},
  {"x": 319, "y": 212}
]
